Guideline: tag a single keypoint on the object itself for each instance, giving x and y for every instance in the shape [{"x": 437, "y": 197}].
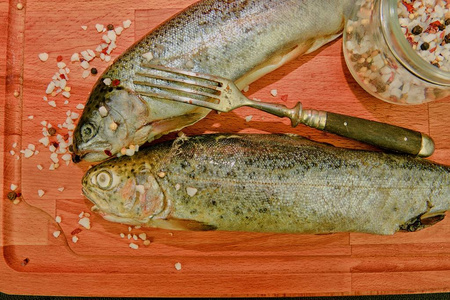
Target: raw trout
[
  {"x": 241, "y": 40},
  {"x": 269, "y": 183}
]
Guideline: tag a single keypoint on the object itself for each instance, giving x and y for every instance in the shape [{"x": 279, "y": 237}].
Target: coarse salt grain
[
  {"x": 148, "y": 56},
  {"x": 56, "y": 233},
  {"x": 99, "y": 27},
  {"x": 75, "y": 239},
  {"x": 43, "y": 56},
  {"x": 40, "y": 167},
  {"x": 146, "y": 242},
  {"x": 12, "y": 152},
  {"x": 28, "y": 153},
  {"x": 133, "y": 246},
  {"x": 61, "y": 189},
  {"x": 178, "y": 266},
  {"x": 191, "y": 191},
  {"x": 66, "y": 157},
  {"x": 79, "y": 106},
  {"x": 274, "y": 93},
  {"x": 85, "y": 222},
  {"x": 52, "y": 103},
  {"x": 103, "y": 111},
  {"x": 58, "y": 219},
  {"x": 246, "y": 89},
  {"x": 135, "y": 237},
  {"x": 107, "y": 81},
  {"x": 122, "y": 235},
  {"x": 41, "y": 193},
  {"x": 126, "y": 23},
  {"x": 84, "y": 27},
  {"x": 248, "y": 118},
  {"x": 143, "y": 236},
  {"x": 113, "y": 126},
  {"x": 85, "y": 74},
  {"x": 85, "y": 64},
  {"x": 13, "y": 187},
  {"x": 75, "y": 57}
]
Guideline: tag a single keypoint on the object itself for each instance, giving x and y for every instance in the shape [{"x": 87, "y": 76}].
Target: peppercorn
[
  {"x": 76, "y": 158},
  {"x": 12, "y": 196},
  {"x": 110, "y": 27},
  {"x": 71, "y": 148},
  {"x": 417, "y": 30},
  {"x": 425, "y": 46},
  {"x": 447, "y": 22},
  {"x": 52, "y": 131},
  {"x": 441, "y": 27},
  {"x": 447, "y": 39},
  {"x": 94, "y": 71}
]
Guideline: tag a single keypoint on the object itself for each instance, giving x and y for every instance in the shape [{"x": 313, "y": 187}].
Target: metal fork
[{"x": 223, "y": 95}]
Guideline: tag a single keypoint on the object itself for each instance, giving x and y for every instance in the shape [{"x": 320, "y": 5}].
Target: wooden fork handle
[{"x": 382, "y": 135}]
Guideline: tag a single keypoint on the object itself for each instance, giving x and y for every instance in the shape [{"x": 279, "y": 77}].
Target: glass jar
[{"x": 383, "y": 62}]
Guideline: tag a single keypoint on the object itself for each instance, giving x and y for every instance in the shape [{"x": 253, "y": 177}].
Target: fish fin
[
  {"x": 283, "y": 57},
  {"x": 181, "y": 224},
  {"x": 165, "y": 126},
  {"x": 423, "y": 221}
]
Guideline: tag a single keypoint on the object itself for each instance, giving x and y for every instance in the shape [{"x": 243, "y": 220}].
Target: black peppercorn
[
  {"x": 110, "y": 27},
  {"x": 425, "y": 46},
  {"x": 447, "y": 39},
  {"x": 447, "y": 22},
  {"x": 94, "y": 71},
  {"x": 417, "y": 30},
  {"x": 12, "y": 196},
  {"x": 52, "y": 131}
]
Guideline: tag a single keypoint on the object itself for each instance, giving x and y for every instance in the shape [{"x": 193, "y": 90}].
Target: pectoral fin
[
  {"x": 423, "y": 221},
  {"x": 180, "y": 224}
]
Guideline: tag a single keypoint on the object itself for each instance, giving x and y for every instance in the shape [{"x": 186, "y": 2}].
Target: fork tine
[
  {"x": 212, "y": 78},
  {"x": 177, "y": 88},
  {"x": 185, "y": 81},
  {"x": 178, "y": 98}
]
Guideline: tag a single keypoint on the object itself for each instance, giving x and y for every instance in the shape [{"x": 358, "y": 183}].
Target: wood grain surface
[{"x": 212, "y": 263}]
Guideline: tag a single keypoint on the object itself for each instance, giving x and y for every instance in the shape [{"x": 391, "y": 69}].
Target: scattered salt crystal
[
  {"x": 112, "y": 35},
  {"x": 40, "y": 167},
  {"x": 106, "y": 39},
  {"x": 107, "y": 58},
  {"x": 13, "y": 187},
  {"x": 126, "y": 24},
  {"x": 50, "y": 88},
  {"x": 79, "y": 106},
  {"x": 143, "y": 236},
  {"x": 52, "y": 103},
  {"x": 122, "y": 235},
  {"x": 178, "y": 266},
  {"x": 135, "y": 237},
  {"x": 148, "y": 55},
  {"x": 31, "y": 147},
  {"x": 54, "y": 157},
  {"x": 14, "y": 145},
  {"x": 85, "y": 222},
  {"x": 45, "y": 98},
  {"x": 129, "y": 152},
  {"x": 44, "y": 123},
  {"x": 61, "y": 189},
  {"x": 58, "y": 219},
  {"x": 12, "y": 152},
  {"x": 66, "y": 94},
  {"x": 129, "y": 228},
  {"x": 118, "y": 30},
  {"x": 30, "y": 117},
  {"x": 99, "y": 27},
  {"x": 85, "y": 74},
  {"x": 113, "y": 126},
  {"x": 146, "y": 242},
  {"x": 28, "y": 153},
  {"x": 248, "y": 118},
  {"x": 191, "y": 191},
  {"x": 66, "y": 157},
  {"x": 85, "y": 64},
  {"x": 66, "y": 102},
  {"x": 61, "y": 65},
  {"x": 84, "y": 27},
  {"x": 129, "y": 236},
  {"x": 103, "y": 111},
  {"x": 274, "y": 93},
  {"x": 134, "y": 246},
  {"x": 75, "y": 57},
  {"x": 74, "y": 239},
  {"x": 43, "y": 56},
  {"x": 41, "y": 193},
  {"x": 107, "y": 81},
  {"x": 246, "y": 89},
  {"x": 56, "y": 233}
]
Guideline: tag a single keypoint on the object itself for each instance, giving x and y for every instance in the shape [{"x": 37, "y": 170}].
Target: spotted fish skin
[
  {"x": 269, "y": 183},
  {"x": 241, "y": 40}
]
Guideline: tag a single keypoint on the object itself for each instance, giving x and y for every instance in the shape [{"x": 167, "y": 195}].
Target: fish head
[
  {"x": 121, "y": 193},
  {"x": 111, "y": 120}
]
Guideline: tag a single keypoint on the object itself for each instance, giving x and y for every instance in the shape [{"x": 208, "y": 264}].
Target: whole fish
[
  {"x": 269, "y": 183},
  {"x": 241, "y": 40}
]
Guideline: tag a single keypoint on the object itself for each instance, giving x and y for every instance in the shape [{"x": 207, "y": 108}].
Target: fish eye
[
  {"x": 87, "y": 131},
  {"x": 104, "y": 180}
]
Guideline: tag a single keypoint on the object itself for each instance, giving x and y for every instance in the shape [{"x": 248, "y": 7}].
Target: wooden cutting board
[{"x": 101, "y": 263}]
